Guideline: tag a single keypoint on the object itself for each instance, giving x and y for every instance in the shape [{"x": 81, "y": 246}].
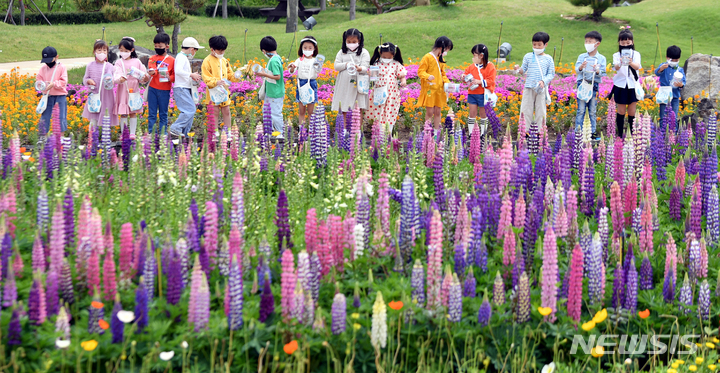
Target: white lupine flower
[
  {"x": 359, "y": 233},
  {"x": 378, "y": 336}
]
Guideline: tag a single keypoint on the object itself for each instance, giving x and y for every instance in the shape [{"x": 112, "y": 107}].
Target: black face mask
[
  {"x": 51, "y": 64},
  {"x": 631, "y": 46},
  {"x": 160, "y": 51}
]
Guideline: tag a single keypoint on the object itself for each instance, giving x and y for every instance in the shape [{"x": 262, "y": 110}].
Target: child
[
  {"x": 592, "y": 73},
  {"x": 274, "y": 84},
  {"x": 432, "y": 78},
  {"x": 667, "y": 72},
  {"x": 127, "y": 83},
  {"x": 624, "y": 81},
  {"x": 182, "y": 91},
  {"x": 483, "y": 73},
  {"x": 97, "y": 73},
  {"x": 305, "y": 66},
  {"x": 162, "y": 69},
  {"x": 351, "y": 53},
  {"x": 388, "y": 58},
  {"x": 539, "y": 69},
  {"x": 216, "y": 71},
  {"x": 54, "y": 74}
]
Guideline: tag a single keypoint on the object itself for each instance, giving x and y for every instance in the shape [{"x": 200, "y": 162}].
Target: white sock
[
  {"x": 123, "y": 122},
  {"x": 483, "y": 125},
  {"x": 133, "y": 126},
  {"x": 471, "y": 125}
]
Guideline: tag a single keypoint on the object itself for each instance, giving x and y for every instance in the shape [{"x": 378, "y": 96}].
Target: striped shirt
[{"x": 532, "y": 73}]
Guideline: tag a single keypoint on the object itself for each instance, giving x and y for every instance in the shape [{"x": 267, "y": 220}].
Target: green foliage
[
  {"x": 89, "y": 5},
  {"x": 191, "y": 5},
  {"x": 598, "y": 6},
  {"x": 115, "y": 13},
  {"x": 63, "y": 18},
  {"x": 162, "y": 13}
]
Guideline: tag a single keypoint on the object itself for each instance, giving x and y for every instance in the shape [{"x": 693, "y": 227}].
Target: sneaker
[
  {"x": 596, "y": 136},
  {"x": 175, "y": 133}
]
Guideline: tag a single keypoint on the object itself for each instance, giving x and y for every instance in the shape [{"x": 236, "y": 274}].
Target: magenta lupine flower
[
  {"x": 505, "y": 216},
  {"x": 506, "y": 158},
  {"x": 109, "y": 284},
  {"x": 475, "y": 148},
  {"x": 574, "y": 297},
  {"x": 616, "y": 208},
  {"x": 509, "y": 247},
  {"x": 455, "y": 300},
  {"x": 37, "y": 310},
  {"x": 211, "y": 232},
  {"x": 57, "y": 239},
  {"x": 520, "y": 207},
  {"x": 499, "y": 289},
  {"x": 339, "y": 313},
  {"x": 287, "y": 280},
  {"x": 630, "y": 199},
  {"x": 445, "y": 287},
  {"x": 618, "y": 161},
  {"x": 93, "y": 272},
  {"x": 325, "y": 254},
  {"x": 126, "y": 252},
  {"x": 38, "y": 255},
  {"x": 549, "y": 273},
  {"x": 703, "y": 259},
  {"x": 523, "y": 296},
  {"x": 418, "y": 283}
]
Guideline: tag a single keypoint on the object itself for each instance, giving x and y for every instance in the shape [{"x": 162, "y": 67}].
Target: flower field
[{"x": 336, "y": 253}]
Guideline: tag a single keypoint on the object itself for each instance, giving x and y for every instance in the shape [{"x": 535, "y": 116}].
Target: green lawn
[{"x": 467, "y": 23}]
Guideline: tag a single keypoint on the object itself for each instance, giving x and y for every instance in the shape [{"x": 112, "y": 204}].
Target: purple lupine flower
[
  {"x": 15, "y": 328},
  {"x": 51, "y": 296},
  {"x": 126, "y": 146},
  {"x": 713, "y": 220},
  {"x": 95, "y": 315},
  {"x": 676, "y": 203},
  {"x": 618, "y": 295},
  {"x": 685, "y": 296},
  {"x": 356, "y": 296},
  {"x": 469, "y": 287},
  {"x": 36, "y": 303},
  {"x": 66, "y": 284},
  {"x": 530, "y": 234},
  {"x": 518, "y": 267},
  {"x": 69, "y": 214},
  {"x": 150, "y": 272},
  {"x": 523, "y": 303},
  {"x": 481, "y": 253},
  {"x": 117, "y": 328},
  {"x": 235, "y": 318},
  {"x": 594, "y": 270},
  {"x": 646, "y": 275},
  {"x": 267, "y": 301},
  {"x": 588, "y": 189},
  {"x": 485, "y": 312},
  {"x": 282, "y": 221},
  {"x": 362, "y": 215},
  {"x": 704, "y": 300},
  {"x": 455, "y": 300},
  {"x": 669, "y": 287},
  {"x": 175, "y": 284},
  {"x": 630, "y": 302},
  {"x": 408, "y": 219},
  {"x": 339, "y": 313},
  {"x": 418, "y": 283},
  {"x": 141, "y": 306},
  {"x": 10, "y": 288},
  {"x": 459, "y": 259},
  {"x": 708, "y": 177},
  {"x": 438, "y": 180},
  {"x": 694, "y": 261},
  {"x": 314, "y": 282},
  {"x": 43, "y": 213}
]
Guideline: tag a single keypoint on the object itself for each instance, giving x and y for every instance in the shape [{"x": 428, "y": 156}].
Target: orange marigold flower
[{"x": 291, "y": 347}]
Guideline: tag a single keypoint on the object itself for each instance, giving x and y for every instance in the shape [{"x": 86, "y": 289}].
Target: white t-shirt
[
  {"x": 182, "y": 72},
  {"x": 624, "y": 77},
  {"x": 305, "y": 68}
]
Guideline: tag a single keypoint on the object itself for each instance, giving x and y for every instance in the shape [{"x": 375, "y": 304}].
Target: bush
[
  {"x": 253, "y": 12},
  {"x": 89, "y": 5},
  {"x": 64, "y": 18},
  {"x": 163, "y": 13},
  {"x": 115, "y": 13},
  {"x": 598, "y": 6}
]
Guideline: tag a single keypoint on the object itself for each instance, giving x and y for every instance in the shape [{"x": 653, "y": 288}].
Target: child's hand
[
  {"x": 152, "y": 72},
  {"x": 476, "y": 81},
  {"x": 663, "y": 67},
  {"x": 122, "y": 79},
  {"x": 677, "y": 84},
  {"x": 431, "y": 78},
  {"x": 195, "y": 77},
  {"x": 91, "y": 82},
  {"x": 403, "y": 83},
  {"x": 50, "y": 86},
  {"x": 582, "y": 67},
  {"x": 541, "y": 84}
]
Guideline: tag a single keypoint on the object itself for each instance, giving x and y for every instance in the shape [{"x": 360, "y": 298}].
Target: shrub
[
  {"x": 115, "y": 13},
  {"x": 598, "y": 6}
]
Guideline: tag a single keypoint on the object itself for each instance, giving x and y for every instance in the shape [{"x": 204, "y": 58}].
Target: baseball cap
[
  {"x": 48, "y": 54},
  {"x": 190, "y": 42}
]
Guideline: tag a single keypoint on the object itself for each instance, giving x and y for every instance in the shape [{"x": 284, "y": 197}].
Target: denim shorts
[
  {"x": 475, "y": 99},
  {"x": 313, "y": 85}
]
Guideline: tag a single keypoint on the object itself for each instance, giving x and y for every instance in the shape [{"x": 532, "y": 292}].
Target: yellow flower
[
  {"x": 545, "y": 310},
  {"x": 89, "y": 345},
  {"x": 675, "y": 365},
  {"x": 712, "y": 366},
  {"x": 699, "y": 360},
  {"x": 357, "y": 326},
  {"x": 588, "y": 326},
  {"x": 681, "y": 362},
  {"x": 671, "y": 371},
  {"x": 276, "y": 133},
  {"x": 191, "y": 134},
  {"x": 600, "y": 316},
  {"x": 598, "y": 351},
  {"x": 710, "y": 345},
  {"x": 355, "y": 315},
  {"x": 692, "y": 368},
  {"x": 716, "y": 340}
]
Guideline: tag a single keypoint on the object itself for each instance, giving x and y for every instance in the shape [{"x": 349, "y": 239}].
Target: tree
[
  {"x": 352, "y": 10},
  {"x": 598, "y": 7},
  {"x": 379, "y": 5}
]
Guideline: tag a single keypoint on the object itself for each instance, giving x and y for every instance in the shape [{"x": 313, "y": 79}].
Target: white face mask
[
  {"x": 352, "y": 46},
  {"x": 100, "y": 56},
  {"x": 538, "y": 51},
  {"x": 124, "y": 55},
  {"x": 589, "y": 47},
  {"x": 671, "y": 63},
  {"x": 444, "y": 53},
  {"x": 219, "y": 56},
  {"x": 386, "y": 60},
  {"x": 308, "y": 53}
]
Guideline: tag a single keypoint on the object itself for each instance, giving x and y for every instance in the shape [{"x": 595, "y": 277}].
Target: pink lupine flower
[
  {"x": 311, "y": 234},
  {"x": 57, "y": 239},
  {"x": 211, "y": 231},
  {"x": 509, "y": 247},
  {"x": 574, "y": 302},
  {"x": 126, "y": 252},
  {"x": 287, "y": 281},
  {"x": 549, "y": 273},
  {"x": 505, "y": 216}
]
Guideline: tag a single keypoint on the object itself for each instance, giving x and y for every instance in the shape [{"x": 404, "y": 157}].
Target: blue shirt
[
  {"x": 601, "y": 60},
  {"x": 532, "y": 73},
  {"x": 666, "y": 78}
]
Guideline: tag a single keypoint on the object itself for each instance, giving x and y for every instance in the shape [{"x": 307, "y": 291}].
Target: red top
[
  {"x": 488, "y": 72},
  {"x": 155, "y": 63}
]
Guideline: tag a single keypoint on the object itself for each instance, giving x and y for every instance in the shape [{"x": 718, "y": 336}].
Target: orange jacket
[{"x": 488, "y": 72}]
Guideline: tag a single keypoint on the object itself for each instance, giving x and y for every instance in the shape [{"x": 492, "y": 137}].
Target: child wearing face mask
[
  {"x": 624, "y": 81},
  {"x": 96, "y": 73},
  {"x": 217, "y": 71},
  {"x": 161, "y": 68},
  {"x": 351, "y": 57},
  {"x": 590, "y": 66},
  {"x": 274, "y": 84},
  {"x": 483, "y": 73},
  {"x": 432, "y": 81},
  {"x": 389, "y": 59},
  {"x": 182, "y": 91},
  {"x": 672, "y": 75},
  {"x": 539, "y": 70},
  {"x": 54, "y": 76},
  {"x": 306, "y": 72},
  {"x": 127, "y": 83}
]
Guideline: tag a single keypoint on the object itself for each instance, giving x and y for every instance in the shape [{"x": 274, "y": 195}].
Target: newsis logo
[{"x": 636, "y": 344}]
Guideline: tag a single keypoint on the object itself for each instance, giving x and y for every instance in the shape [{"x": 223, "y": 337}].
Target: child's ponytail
[
  {"x": 129, "y": 44},
  {"x": 481, "y": 49},
  {"x": 398, "y": 56},
  {"x": 387, "y": 47},
  {"x": 376, "y": 56}
]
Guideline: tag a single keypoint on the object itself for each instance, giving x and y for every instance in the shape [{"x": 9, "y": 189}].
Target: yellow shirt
[
  {"x": 429, "y": 65},
  {"x": 214, "y": 70}
]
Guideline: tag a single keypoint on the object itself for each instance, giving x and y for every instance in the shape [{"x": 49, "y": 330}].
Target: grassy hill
[{"x": 414, "y": 30}]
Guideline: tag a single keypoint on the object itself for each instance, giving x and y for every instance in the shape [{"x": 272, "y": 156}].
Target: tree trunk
[
  {"x": 159, "y": 29},
  {"x": 597, "y": 14},
  {"x": 352, "y": 9},
  {"x": 176, "y": 32},
  {"x": 49, "y": 8},
  {"x": 224, "y": 9},
  {"x": 292, "y": 16},
  {"x": 323, "y": 4},
  {"x": 22, "y": 13}
]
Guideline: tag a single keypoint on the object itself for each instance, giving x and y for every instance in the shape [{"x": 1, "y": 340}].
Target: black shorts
[{"x": 624, "y": 96}]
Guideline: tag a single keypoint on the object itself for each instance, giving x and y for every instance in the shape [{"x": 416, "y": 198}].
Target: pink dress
[
  {"x": 122, "y": 68},
  {"x": 387, "y": 113},
  {"x": 94, "y": 71}
]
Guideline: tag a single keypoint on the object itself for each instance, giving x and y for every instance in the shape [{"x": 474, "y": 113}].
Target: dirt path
[{"x": 32, "y": 67}]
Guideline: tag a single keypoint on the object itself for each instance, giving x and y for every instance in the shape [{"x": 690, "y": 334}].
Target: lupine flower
[
  {"x": 671, "y": 258},
  {"x": 211, "y": 231},
  {"x": 37, "y": 310},
  {"x": 485, "y": 312},
  {"x": 631, "y": 282},
  {"x": 595, "y": 283},
  {"x": 66, "y": 284},
  {"x": 574, "y": 296},
  {"x": 51, "y": 296},
  {"x": 499, "y": 289},
  {"x": 15, "y": 328},
  {"x": 287, "y": 281},
  {"x": 550, "y": 273},
  {"x": 378, "y": 335},
  {"x": 267, "y": 301},
  {"x": 57, "y": 238},
  {"x": 141, "y": 305},
  {"x": 116, "y": 326},
  {"x": 418, "y": 283},
  {"x": 469, "y": 287},
  {"x": 455, "y": 300},
  {"x": 713, "y": 220},
  {"x": 235, "y": 318},
  {"x": 339, "y": 313},
  {"x": 283, "y": 223},
  {"x": 646, "y": 275},
  {"x": 704, "y": 300},
  {"x": 445, "y": 287},
  {"x": 523, "y": 303},
  {"x": 685, "y": 297},
  {"x": 694, "y": 261}
]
